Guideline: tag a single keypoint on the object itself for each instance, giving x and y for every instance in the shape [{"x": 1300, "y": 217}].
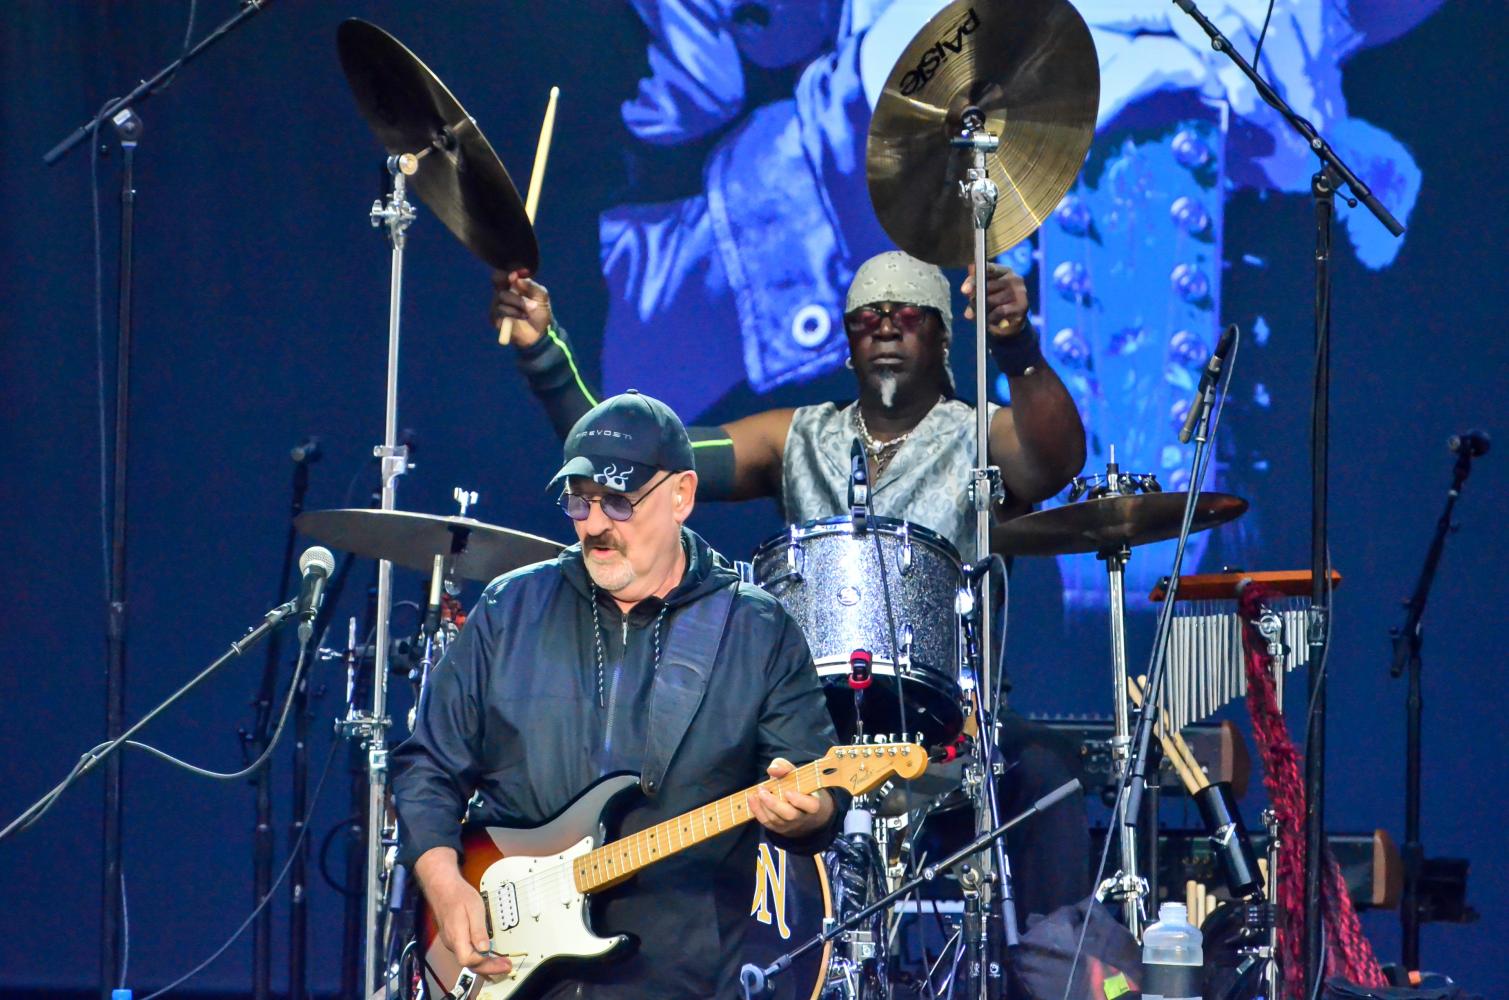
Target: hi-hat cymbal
[
  {"x": 1031, "y": 67},
  {"x": 1105, "y": 524},
  {"x": 460, "y": 178},
  {"x": 478, "y": 551}
]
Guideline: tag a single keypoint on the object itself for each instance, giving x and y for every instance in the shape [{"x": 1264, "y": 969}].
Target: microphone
[
  {"x": 307, "y": 450},
  {"x": 859, "y": 484},
  {"x": 1207, "y": 379},
  {"x": 315, "y": 565},
  {"x": 1472, "y": 443}
]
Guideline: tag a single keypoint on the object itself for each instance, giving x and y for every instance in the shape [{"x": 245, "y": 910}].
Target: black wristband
[
  {"x": 1019, "y": 353},
  {"x": 714, "y": 454},
  {"x": 529, "y": 357},
  {"x": 555, "y": 380}
]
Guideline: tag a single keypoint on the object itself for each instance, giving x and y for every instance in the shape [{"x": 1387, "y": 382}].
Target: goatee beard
[{"x": 887, "y": 386}]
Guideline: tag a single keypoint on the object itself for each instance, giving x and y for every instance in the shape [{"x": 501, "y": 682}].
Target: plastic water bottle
[{"x": 1172, "y": 958}]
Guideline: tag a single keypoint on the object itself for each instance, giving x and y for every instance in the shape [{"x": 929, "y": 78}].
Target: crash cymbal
[
  {"x": 460, "y": 178},
  {"x": 1031, "y": 67},
  {"x": 479, "y": 551},
  {"x": 1107, "y": 523}
]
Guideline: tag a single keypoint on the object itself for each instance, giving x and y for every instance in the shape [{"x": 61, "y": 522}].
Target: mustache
[{"x": 603, "y": 540}]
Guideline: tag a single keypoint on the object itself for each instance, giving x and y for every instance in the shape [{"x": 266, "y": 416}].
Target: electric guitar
[{"x": 535, "y": 881}]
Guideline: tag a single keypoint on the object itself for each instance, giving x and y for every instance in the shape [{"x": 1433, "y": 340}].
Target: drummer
[{"x": 898, "y": 318}]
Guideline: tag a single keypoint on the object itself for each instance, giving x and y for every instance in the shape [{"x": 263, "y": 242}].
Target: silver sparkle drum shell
[{"x": 828, "y": 578}]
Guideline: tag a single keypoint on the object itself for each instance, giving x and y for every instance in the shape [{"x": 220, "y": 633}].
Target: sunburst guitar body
[{"x": 536, "y": 882}]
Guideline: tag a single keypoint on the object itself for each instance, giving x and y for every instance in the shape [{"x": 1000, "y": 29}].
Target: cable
[
  {"x": 1320, "y": 971},
  {"x": 262, "y": 758},
  {"x": 125, "y": 930},
  {"x": 46, "y": 802},
  {"x": 287, "y": 865},
  {"x": 1258, "y": 52},
  {"x": 890, "y": 618},
  {"x": 328, "y": 841}
]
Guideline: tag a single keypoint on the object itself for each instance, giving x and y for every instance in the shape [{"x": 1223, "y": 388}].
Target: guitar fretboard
[{"x": 615, "y": 862}]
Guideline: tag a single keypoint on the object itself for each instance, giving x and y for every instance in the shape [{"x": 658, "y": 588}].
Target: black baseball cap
[{"x": 622, "y": 442}]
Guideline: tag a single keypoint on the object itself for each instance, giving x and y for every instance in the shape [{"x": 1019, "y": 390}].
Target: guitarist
[{"x": 590, "y": 663}]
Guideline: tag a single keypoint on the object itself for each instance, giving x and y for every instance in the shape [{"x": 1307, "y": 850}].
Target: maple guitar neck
[{"x": 857, "y": 768}]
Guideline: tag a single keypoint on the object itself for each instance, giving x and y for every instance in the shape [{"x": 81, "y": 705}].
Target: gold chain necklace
[{"x": 882, "y": 452}]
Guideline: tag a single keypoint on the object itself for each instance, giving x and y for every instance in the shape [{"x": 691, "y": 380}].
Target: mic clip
[{"x": 861, "y": 664}]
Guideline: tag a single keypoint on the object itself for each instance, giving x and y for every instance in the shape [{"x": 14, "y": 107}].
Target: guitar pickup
[{"x": 502, "y": 909}]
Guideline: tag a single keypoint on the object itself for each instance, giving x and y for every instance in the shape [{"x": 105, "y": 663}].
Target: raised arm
[
  {"x": 1039, "y": 440},
  {"x": 739, "y": 461}
]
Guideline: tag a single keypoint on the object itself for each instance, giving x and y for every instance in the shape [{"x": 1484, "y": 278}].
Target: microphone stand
[
  {"x": 106, "y": 751},
  {"x": 1408, "y": 639},
  {"x": 128, "y": 126},
  {"x": 256, "y": 742},
  {"x": 755, "y": 981},
  {"x": 1333, "y": 173}
]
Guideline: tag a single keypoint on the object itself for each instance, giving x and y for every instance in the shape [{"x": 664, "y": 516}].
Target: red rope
[{"x": 1349, "y": 954}]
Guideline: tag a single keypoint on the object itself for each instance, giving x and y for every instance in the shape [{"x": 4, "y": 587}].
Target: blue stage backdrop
[{"x": 704, "y": 210}]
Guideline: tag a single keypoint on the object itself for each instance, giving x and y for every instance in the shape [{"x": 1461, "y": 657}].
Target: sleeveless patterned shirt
[{"x": 927, "y": 482}]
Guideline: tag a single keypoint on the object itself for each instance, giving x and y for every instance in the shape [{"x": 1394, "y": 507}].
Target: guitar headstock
[{"x": 864, "y": 768}]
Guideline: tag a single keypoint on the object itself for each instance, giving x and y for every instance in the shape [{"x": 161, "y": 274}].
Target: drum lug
[
  {"x": 796, "y": 559},
  {"x": 904, "y": 654},
  {"x": 905, "y": 532}
]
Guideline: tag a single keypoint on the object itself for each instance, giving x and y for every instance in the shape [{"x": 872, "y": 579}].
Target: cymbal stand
[
  {"x": 372, "y": 729},
  {"x": 985, "y": 490},
  {"x": 1126, "y": 885}
]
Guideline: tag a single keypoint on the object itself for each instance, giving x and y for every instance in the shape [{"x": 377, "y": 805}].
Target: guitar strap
[{"x": 686, "y": 662}]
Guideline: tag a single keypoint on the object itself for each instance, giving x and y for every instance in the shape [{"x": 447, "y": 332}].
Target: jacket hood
[{"x": 706, "y": 571}]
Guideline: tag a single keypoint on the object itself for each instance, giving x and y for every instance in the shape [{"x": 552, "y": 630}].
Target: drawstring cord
[{"x": 597, "y": 646}]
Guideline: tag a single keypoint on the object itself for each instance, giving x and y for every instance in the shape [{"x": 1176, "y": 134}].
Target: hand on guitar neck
[
  {"x": 787, "y": 812},
  {"x": 457, "y": 909}
]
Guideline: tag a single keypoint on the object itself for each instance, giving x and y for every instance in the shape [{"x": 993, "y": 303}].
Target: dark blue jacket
[{"x": 513, "y": 714}]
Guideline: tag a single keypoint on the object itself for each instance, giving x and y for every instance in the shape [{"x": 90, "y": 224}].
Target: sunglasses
[
  {"x": 906, "y": 318},
  {"x": 616, "y": 506}
]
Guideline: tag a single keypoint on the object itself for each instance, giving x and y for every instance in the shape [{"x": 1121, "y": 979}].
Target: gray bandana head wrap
[{"x": 895, "y": 276}]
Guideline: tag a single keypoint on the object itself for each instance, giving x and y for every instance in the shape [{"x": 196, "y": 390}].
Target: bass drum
[
  {"x": 835, "y": 582},
  {"x": 792, "y": 897}
]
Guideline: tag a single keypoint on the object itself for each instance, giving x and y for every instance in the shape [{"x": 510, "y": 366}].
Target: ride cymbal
[
  {"x": 477, "y": 550},
  {"x": 1105, "y": 524},
  {"x": 460, "y": 178},
  {"x": 1030, "y": 66}
]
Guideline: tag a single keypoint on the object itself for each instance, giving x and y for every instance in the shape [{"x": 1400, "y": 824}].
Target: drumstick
[
  {"x": 1172, "y": 739},
  {"x": 536, "y": 181},
  {"x": 1174, "y": 747}
]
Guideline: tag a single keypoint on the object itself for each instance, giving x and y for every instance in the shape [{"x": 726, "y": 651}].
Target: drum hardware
[
  {"x": 1273, "y": 975},
  {"x": 475, "y": 550},
  {"x": 1016, "y": 99},
  {"x": 414, "y": 116},
  {"x": 756, "y": 980}
]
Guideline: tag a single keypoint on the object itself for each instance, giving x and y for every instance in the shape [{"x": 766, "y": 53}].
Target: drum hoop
[
  {"x": 828, "y": 912},
  {"x": 843, "y": 524},
  {"x": 830, "y": 666}
]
